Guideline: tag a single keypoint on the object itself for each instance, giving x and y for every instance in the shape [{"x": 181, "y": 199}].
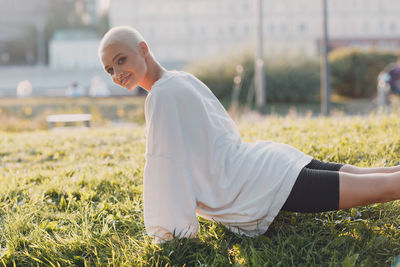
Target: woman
[{"x": 197, "y": 164}]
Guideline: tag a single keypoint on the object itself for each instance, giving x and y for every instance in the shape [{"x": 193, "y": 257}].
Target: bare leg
[
  {"x": 364, "y": 189},
  {"x": 359, "y": 170}
]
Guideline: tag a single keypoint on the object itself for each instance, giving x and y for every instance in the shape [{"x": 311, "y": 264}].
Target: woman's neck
[{"x": 155, "y": 72}]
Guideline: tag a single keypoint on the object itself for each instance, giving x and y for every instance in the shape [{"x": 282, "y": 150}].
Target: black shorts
[{"x": 316, "y": 188}]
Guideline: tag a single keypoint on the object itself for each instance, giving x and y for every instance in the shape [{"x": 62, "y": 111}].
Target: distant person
[
  {"x": 197, "y": 163},
  {"x": 24, "y": 89},
  {"x": 75, "y": 90},
  {"x": 393, "y": 72}
]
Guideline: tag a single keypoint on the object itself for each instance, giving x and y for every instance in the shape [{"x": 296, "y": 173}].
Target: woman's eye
[
  {"x": 121, "y": 60},
  {"x": 110, "y": 70}
]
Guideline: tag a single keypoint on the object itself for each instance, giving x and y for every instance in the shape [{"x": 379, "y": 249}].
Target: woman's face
[{"x": 126, "y": 66}]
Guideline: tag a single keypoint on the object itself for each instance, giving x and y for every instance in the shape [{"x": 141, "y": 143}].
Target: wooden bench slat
[{"x": 69, "y": 117}]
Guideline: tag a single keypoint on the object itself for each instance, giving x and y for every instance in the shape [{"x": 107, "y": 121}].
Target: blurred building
[
  {"x": 17, "y": 14},
  {"x": 26, "y": 26},
  {"x": 365, "y": 24},
  {"x": 185, "y": 30},
  {"x": 18, "y": 19},
  {"x": 182, "y": 30},
  {"x": 74, "y": 49}
]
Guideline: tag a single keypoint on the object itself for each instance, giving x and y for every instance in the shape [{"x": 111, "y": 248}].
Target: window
[
  {"x": 190, "y": 31},
  {"x": 246, "y": 30},
  {"x": 246, "y": 6},
  {"x": 392, "y": 27},
  {"x": 302, "y": 27},
  {"x": 220, "y": 31},
  {"x": 152, "y": 32},
  {"x": 203, "y": 30},
  {"x": 366, "y": 27},
  {"x": 283, "y": 27},
  {"x": 232, "y": 29},
  {"x": 381, "y": 27},
  {"x": 271, "y": 28}
]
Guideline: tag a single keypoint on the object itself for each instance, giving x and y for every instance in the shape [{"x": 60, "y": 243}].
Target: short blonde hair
[{"x": 121, "y": 34}]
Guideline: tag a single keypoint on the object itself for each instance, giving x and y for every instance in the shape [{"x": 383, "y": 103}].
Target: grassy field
[
  {"x": 75, "y": 198},
  {"x": 29, "y": 114}
]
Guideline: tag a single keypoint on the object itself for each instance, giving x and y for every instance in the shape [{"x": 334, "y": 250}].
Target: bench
[{"x": 68, "y": 118}]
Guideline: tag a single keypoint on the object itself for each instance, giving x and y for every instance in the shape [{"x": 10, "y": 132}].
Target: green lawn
[
  {"x": 74, "y": 198},
  {"x": 29, "y": 114}
]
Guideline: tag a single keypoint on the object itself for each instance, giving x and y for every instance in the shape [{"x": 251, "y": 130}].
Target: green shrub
[
  {"x": 217, "y": 74},
  {"x": 287, "y": 80},
  {"x": 354, "y": 73},
  {"x": 293, "y": 80}
]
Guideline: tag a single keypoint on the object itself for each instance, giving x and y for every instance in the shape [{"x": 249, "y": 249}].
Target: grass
[
  {"x": 75, "y": 198},
  {"x": 29, "y": 114}
]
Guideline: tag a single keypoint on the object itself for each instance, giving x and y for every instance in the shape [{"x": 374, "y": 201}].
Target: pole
[
  {"x": 259, "y": 60},
  {"x": 40, "y": 43},
  {"x": 325, "y": 82}
]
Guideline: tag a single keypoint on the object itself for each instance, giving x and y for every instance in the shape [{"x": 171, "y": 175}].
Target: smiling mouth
[{"x": 125, "y": 80}]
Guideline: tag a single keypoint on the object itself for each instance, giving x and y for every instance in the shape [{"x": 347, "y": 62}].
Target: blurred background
[{"x": 49, "y": 63}]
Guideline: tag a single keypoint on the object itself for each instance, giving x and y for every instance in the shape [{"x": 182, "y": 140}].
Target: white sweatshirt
[{"x": 197, "y": 164}]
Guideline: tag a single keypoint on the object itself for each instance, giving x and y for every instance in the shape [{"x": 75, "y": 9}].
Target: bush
[
  {"x": 287, "y": 80},
  {"x": 293, "y": 80},
  {"x": 217, "y": 74},
  {"x": 354, "y": 73}
]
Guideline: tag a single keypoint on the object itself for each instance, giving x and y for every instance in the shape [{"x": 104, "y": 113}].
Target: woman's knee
[{"x": 351, "y": 169}]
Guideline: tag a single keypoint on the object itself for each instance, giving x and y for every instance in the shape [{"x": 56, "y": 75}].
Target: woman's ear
[{"x": 143, "y": 48}]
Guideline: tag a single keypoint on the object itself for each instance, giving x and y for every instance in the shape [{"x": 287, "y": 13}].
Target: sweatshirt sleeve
[{"x": 168, "y": 195}]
